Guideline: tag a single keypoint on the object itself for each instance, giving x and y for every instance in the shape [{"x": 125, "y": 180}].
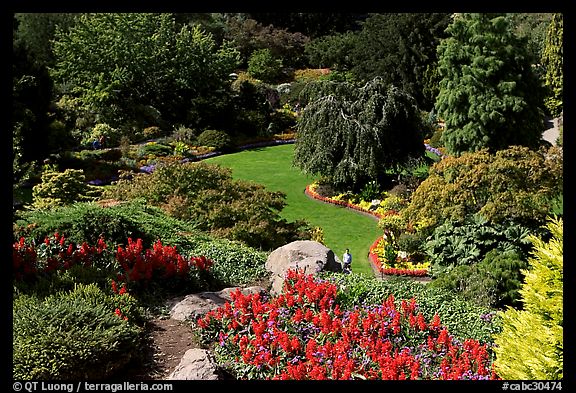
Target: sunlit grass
[{"x": 343, "y": 228}]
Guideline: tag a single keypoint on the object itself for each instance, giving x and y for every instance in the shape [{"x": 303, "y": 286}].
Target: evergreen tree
[
  {"x": 353, "y": 135},
  {"x": 401, "y": 48},
  {"x": 530, "y": 345},
  {"x": 552, "y": 59},
  {"x": 490, "y": 96}
]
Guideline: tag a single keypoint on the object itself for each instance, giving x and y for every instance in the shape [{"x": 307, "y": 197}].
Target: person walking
[{"x": 347, "y": 261}]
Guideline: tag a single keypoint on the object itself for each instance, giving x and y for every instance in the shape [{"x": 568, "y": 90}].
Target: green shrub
[
  {"x": 62, "y": 188},
  {"x": 234, "y": 263},
  {"x": 152, "y": 132},
  {"x": 74, "y": 335},
  {"x": 153, "y": 148},
  {"x": 513, "y": 184},
  {"x": 111, "y": 135},
  {"x": 207, "y": 196},
  {"x": 454, "y": 244},
  {"x": 217, "y": 139},
  {"x": 88, "y": 221},
  {"x": 494, "y": 282}
]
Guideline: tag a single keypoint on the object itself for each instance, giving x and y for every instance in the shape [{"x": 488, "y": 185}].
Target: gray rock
[
  {"x": 196, "y": 364},
  {"x": 193, "y": 306},
  {"x": 305, "y": 255}
]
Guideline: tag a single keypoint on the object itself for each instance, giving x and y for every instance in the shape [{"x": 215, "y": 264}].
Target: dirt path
[{"x": 166, "y": 342}]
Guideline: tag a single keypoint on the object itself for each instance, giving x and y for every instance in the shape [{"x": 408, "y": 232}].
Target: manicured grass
[{"x": 343, "y": 228}]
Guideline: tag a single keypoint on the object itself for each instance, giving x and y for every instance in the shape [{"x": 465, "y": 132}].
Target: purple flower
[
  {"x": 148, "y": 168},
  {"x": 97, "y": 182}
]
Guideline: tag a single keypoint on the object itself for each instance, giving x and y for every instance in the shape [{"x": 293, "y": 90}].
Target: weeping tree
[{"x": 352, "y": 135}]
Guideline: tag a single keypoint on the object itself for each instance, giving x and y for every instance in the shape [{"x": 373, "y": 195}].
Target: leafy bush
[
  {"x": 111, "y": 135},
  {"x": 263, "y": 65},
  {"x": 234, "y": 263},
  {"x": 513, "y": 184},
  {"x": 153, "y": 148},
  {"x": 88, "y": 221},
  {"x": 74, "y": 335},
  {"x": 217, "y": 139},
  {"x": 454, "y": 244},
  {"x": 184, "y": 134}
]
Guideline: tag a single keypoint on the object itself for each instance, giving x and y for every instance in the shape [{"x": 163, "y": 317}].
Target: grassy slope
[{"x": 343, "y": 228}]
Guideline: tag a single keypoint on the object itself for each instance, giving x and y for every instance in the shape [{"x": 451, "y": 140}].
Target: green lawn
[{"x": 343, "y": 228}]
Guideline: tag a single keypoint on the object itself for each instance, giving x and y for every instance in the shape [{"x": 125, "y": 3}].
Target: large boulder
[{"x": 305, "y": 255}]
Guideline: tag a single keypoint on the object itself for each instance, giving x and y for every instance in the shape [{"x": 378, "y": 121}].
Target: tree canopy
[
  {"x": 125, "y": 66},
  {"x": 353, "y": 135},
  {"x": 401, "y": 48},
  {"x": 490, "y": 96}
]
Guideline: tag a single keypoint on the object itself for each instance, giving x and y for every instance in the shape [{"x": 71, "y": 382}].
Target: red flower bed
[
  {"x": 375, "y": 260},
  {"x": 302, "y": 334}
]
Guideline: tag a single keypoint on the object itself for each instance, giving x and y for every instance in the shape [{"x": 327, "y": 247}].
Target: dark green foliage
[
  {"x": 87, "y": 221},
  {"x": 217, "y": 139},
  {"x": 140, "y": 69},
  {"x": 463, "y": 319},
  {"x": 552, "y": 60},
  {"x": 353, "y": 135},
  {"x": 70, "y": 336},
  {"x": 453, "y": 244},
  {"x": 312, "y": 24},
  {"x": 401, "y": 49},
  {"x": 157, "y": 149},
  {"x": 234, "y": 263},
  {"x": 248, "y": 36},
  {"x": 331, "y": 51},
  {"x": 532, "y": 26},
  {"x": 493, "y": 282},
  {"x": 490, "y": 96}
]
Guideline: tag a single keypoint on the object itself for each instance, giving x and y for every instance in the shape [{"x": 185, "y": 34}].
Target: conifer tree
[
  {"x": 490, "y": 96},
  {"x": 530, "y": 345},
  {"x": 353, "y": 135},
  {"x": 552, "y": 59}
]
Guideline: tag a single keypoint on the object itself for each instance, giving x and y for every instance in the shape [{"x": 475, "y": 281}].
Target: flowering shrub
[
  {"x": 53, "y": 254},
  {"x": 399, "y": 264},
  {"x": 133, "y": 263},
  {"x": 303, "y": 334}
]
